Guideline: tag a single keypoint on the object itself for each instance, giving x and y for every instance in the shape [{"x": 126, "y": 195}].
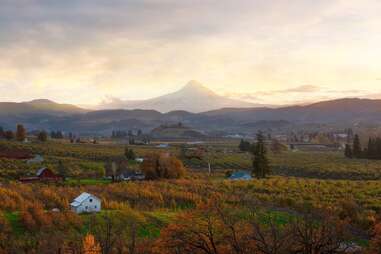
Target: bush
[{"x": 157, "y": 166}]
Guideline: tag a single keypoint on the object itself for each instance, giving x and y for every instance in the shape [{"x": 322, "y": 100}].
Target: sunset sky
[{"x": 264, "y": 51}]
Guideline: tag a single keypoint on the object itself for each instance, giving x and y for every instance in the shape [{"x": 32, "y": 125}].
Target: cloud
[
  {"x": 81, "y": 50},
  {"x": 302, "y": 95}
]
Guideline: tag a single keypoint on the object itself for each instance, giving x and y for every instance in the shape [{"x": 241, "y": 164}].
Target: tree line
[{"x": 372, "y": 151}]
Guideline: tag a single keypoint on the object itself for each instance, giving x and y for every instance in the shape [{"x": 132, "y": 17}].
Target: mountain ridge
[{"x": 342, "y": 113}]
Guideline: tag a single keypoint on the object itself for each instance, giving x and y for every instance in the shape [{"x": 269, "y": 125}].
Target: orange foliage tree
[
  {"x": 163, "y": 165},
  {"x": 90, "y": 246}
]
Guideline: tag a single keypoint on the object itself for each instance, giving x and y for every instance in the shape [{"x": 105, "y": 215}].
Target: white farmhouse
[{"x": 86, "y": 203}]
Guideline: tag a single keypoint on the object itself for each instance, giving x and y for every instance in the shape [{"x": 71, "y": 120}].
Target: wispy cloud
[
  {"x": 302, "y": 95},
  {"x": 80, "y": 50}
]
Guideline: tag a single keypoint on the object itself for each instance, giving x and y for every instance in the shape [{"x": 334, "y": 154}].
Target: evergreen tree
[
  {"x": 244, "y": 146},
  {"x": 371, "y": 151},
  {"x": 377, "y": 148},
  {"x": 348, "y": 151},
  {"x": 129, "y": 153},
  {"x": 20, "y": 132},
  {"x": 9, "y": 135},
  {"x": 42, "y": 136},
  {"x": 261, "y": 165},
  {"x": 1, "y": 132},
  {"x": 357, "y": 151}
]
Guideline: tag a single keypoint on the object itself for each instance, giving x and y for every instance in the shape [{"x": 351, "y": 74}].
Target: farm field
[{"x": 148, "y": 210}]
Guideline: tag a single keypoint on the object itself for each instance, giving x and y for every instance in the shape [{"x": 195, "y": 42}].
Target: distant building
[
  {"x": 37, "y": 159},
  {"x": 128, "y": 175},
  {"x": 163, "y": 146},
  {"x": 42, "y": 175},
  {"x": 241, "y": 175},
  {"x": 86, "y": 203},
  {"x": 140, "y": 160}
]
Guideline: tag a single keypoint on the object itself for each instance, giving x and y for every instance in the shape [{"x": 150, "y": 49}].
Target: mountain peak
[
  {"x": 194, "y": 86},
  {"x": 41, "y": 101}
]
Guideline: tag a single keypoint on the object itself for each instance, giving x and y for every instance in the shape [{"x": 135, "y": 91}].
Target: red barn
[{"x": 42, "y": 175}]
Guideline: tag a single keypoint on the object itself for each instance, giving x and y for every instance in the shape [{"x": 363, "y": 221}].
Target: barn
[{"x": 42, "y": 175}]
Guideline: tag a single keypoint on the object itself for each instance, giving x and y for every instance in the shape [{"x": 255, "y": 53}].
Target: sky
[{"x": 263, "y": 51}]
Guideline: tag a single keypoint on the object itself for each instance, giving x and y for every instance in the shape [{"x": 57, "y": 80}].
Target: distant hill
[
  {"x": 175, "y": 131},
  {"x": 346, "y": 111},
  {"x": 193, "y": 97},
  {"x": 41, "y": 106},
  {"x": 342, "y": 113},
  {"x": 33, "y": 112}
]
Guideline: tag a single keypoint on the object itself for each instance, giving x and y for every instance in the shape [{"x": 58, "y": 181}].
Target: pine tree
[
  {"x": 348, "y": 151},
  {"x": 377, "y": 145},
  {"x": 371, "y": 151},
  {"x": 20, "y": 132},
  {"x": 261, "y": 166},
  {"x": 42, "y": 136},
  {"x": 9, "y": 135},
  {"x": 244, "y": 146},
  {"x": 241, "y": 145},
  {"x": 129, "y": 153},
  {"x": 357, "y": 151}
]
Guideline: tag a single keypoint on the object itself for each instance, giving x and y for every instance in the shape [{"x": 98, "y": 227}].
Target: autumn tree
[
  {"x": 90, "y": 246},
  {"x": 375, "y": 242},
  {"x": 319, "y": 233},
  {"x": 194, "y": 232},
  {"x": 5, "y": 234},
  {"x": 212, "y": 228},
  {"x": 163, "y": 165},
  {"x": 117, "y": 232}
]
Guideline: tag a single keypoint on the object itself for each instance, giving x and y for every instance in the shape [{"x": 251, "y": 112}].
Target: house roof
[
  {"x": 240, "y": 174},
  {"x": 39, "y": 172},
  {"x": 78, "y": 200}
]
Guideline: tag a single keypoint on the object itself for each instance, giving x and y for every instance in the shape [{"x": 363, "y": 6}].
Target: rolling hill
[
  {"x": 342, "y": 113},
  {"x": 38, "y": 107}
]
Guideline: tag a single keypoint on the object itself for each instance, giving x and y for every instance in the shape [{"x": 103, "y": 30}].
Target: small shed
[
  {"x": 86, "y": 203},
  {"x": 241, "y": 175}
]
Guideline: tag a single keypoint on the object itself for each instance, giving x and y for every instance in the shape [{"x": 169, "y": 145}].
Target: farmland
[{"x": 300, "y": 181}]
